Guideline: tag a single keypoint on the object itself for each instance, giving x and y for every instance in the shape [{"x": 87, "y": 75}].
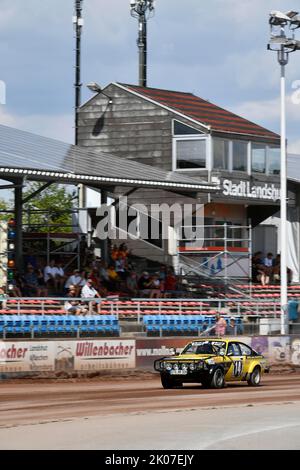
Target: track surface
[{"x": 137, "y": 413}]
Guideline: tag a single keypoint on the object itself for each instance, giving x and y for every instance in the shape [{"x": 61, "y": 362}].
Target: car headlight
[
  {"x": 184, "y": 367},
  {"x": 192, "y": 366},
  {"x": 175, "y": 367},
  {"x": 199, "y": 365},
  {"x": 167, "y": 365}
]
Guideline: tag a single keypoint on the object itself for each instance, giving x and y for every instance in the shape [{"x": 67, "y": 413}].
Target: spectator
[
  {"x": 74, "y": 307},
  {"x": 132, "y": 284},
  {"x": 155, "y": 286},
  {"x": 120, "y": 267},
  {"x": 259, "y": 270},
  {"x": 50, "y": 275},
  {"x": 114, "y": 253},
  {"x": 123, "y": 251},
  {"x": 75, "y": 280},
  {"x": 32, "y": 284},
  {"x": 113, "y": 277},
  {"x": 41, "y": 281},
  {"x": 89, "y": 292},
  {"x": 276, "y": 271},
  {"x": 268, "y": 261},
  {"x": 220, "y": 326},
  {"x": 144, "y": 283},
  {"x": 231, "y": 329},
  {"x": 60, "y": 277},
  {"x": 170, "y": 283}
]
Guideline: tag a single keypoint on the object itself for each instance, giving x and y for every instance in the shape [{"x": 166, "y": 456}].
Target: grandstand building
[{"x": 184, "y": 134}]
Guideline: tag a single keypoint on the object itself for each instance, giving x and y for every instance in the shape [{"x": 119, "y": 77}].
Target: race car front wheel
[
  {"x": 255, "y": 377},
  {"x": 167, "y": 382}
]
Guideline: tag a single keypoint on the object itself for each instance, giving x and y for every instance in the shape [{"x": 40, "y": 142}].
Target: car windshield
[{"x": 204, "y": 347}]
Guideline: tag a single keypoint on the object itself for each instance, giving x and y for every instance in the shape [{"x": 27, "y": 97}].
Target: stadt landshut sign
[{"x": 247, "y": 190}]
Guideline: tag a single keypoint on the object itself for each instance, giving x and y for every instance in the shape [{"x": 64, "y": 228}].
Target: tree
[
  {"x": 4, "y": 206},
  {"x": 50, "y": 210}
]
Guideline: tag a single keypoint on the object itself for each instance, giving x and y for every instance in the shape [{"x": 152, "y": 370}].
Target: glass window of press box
[
  {"x": 190, "y": 147},
  {"x": 191, "y": 152}
]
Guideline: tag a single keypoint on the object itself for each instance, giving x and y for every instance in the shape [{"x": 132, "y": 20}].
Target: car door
[
  {"x": 236, "y": 362},
  {"x": 247, "y": 354}
]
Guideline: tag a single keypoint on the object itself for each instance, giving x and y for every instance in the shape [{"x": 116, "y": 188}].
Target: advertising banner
[
  {"x": 95, "y": 355},
  {"x": 295, "y": 350},
  {"x": 150, "y": 349},
  {"x": 26, "y": 356}
]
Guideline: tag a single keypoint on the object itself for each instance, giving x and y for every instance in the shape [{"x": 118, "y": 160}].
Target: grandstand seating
[
  {"x": 26, "y": 318},
  {"x": 182, "y": 325},
  {"x": 47, "y": 326}
]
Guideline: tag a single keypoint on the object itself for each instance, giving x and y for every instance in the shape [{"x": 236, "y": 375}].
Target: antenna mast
[{"x": 142, "y": 10}]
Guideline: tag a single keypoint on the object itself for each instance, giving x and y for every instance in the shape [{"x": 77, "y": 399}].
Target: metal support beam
[
  {"x": 38, "y": 191},
  {"x": 19, "y": 226},
  {"x": 104, "y": 243}
]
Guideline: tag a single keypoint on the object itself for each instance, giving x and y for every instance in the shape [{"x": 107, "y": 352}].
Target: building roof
[
  {"x": 26, "y": 154},
  {"x": 198, "y": 109}
]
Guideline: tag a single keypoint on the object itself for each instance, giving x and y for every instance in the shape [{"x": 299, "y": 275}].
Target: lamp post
[
  {"x": 281, "y": 24},
  {"x": 142, "y": 10}
]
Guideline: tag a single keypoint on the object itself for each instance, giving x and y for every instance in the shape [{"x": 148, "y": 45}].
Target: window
[
  {"x": 274, "y": 160},
  {"x": 190, "y": 153},
  {"x": 233, "y": 349},
  {"x": 258, "y": 158},
  {"x": 183, "y": 129},
  {"x": 221, "y": 154},
  {"x": 239, "y": 156},
  {"x": 246, "y": 351}
]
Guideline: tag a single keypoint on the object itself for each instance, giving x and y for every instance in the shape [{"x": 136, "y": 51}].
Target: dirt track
[{"x": 30, "y": 403}]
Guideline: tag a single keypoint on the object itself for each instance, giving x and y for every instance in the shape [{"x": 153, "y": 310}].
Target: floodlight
[
  {"x": 93, "y": 86},
  {"x": 292, "y": 14},
  {"x": 277, "y": 18},
  {"x": 292, "y": 44}
]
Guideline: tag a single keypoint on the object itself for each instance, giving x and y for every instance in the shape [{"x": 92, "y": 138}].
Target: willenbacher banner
[
  {"x": 95, "y": 355},
  {"x": 87, "y": 355}
]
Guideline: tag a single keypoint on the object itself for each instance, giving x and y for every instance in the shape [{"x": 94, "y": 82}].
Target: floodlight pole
[
  {"x": 142, "y": 45},
  {"x": 78, "y": 24},
  {"x": 283, "y": 60},
  {"x": 139, "y": 10}
]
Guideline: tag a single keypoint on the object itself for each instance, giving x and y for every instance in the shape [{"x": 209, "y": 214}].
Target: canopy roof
[{"x": 40, "y": 158}]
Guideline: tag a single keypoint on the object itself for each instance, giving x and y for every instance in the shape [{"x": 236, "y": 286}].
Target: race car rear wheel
[
  {"x": 255, "y": 377},
  {"x": 167, "y": 382},
  {"x": 217, "y": 380}
]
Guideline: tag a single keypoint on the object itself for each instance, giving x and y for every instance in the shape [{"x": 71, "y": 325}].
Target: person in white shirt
[
  {"x": 269, "y": 266},
  {"x": 75, "y": 280},
  {"x": 89, "y": 292},
  {"x": 60, "y": 277},
  {"x": 50, "y": 275}
]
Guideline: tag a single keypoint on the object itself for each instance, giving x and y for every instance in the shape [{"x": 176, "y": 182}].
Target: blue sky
[{"x": 215, "y": 49}]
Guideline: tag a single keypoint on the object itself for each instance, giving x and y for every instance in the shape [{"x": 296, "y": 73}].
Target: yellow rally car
[{"x": 212, "y": 362}]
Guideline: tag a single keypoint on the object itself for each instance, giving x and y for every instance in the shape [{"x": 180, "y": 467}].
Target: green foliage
[
  {"x": 45, "y": 209},
  {"x": 3, "y": 207}
]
